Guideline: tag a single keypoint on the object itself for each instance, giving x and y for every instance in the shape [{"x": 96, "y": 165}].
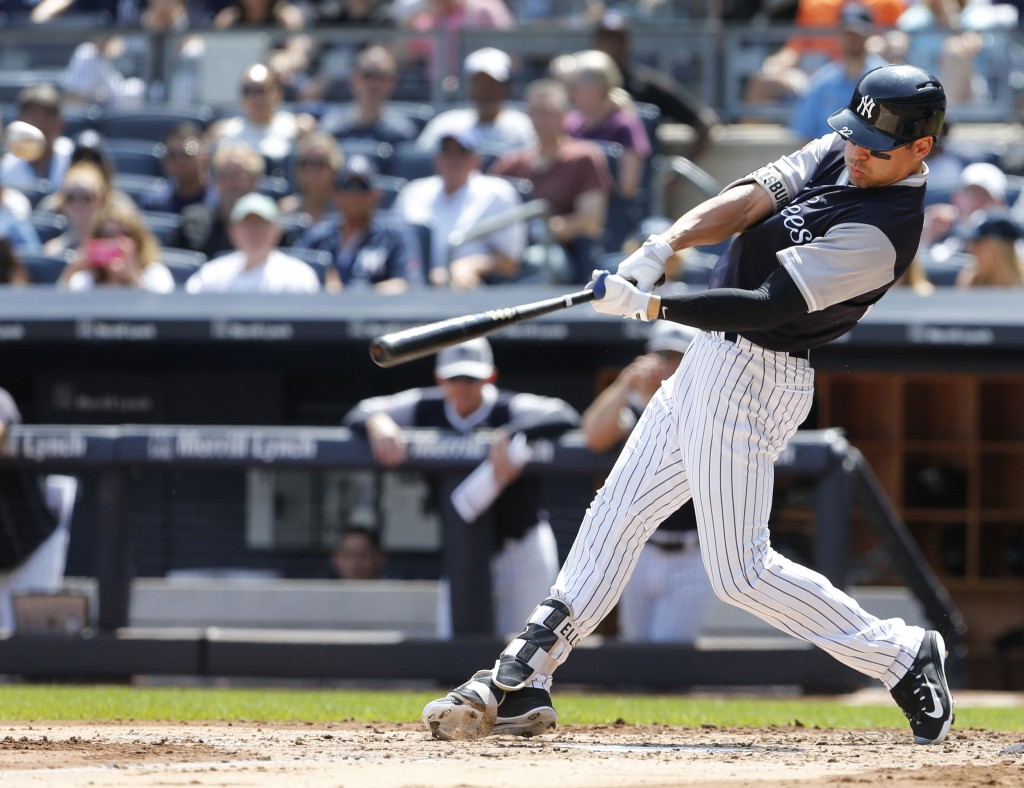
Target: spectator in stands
[
  {"x": 572, "y": 175},
  {"x": 463, "y": 401},
  {"x": 603, "y": 111},
  {"x": 82, "y": 194},
  {"x": 982, "y": 187},
  {"x": 942, "y": 41},
  {"x": 455, "y": 199},
  {"x": 237, "y": 169},
  {"x": 119, "y": 251},
  {"x": 372, "y": 81},
  {"x": 366, "y": 13},
  {"x": 832, "y": 84},
  {"x": 364, "y": 250},
  {"x": 12, "y": 270},
  {"x": 260, "y": 13},
  {"x": 450, "y": 17},
  {"x": 785, "y": 73},
  {"x": 41, "y": 106},
  {"x": 257, "y": 265},
  {"x": 184, "y": 165},
  {"x": 667, "y": 598},
  {"x": 498, "y": 127},
  {"x": 16, "y": 230},
  {"x": 357, "y": 555},
  {"x": 652, "y": 86},
  {"x": 273, "y": 131},
  {"x": 88, "y": 148},
  {"x": 990, "y": 238},
  {"x": 91, "y": 76},
  {"x": 915, "y": 278},
  {"x": 317, "y": 160},
  {"x": 50, "y": 10}
]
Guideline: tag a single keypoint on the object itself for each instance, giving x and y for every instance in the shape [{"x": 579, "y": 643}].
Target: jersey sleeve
[
  {"x": 849, "y": 260},
  {"x": 539, "y": 416},
  {"x": 784, "y": 178}
]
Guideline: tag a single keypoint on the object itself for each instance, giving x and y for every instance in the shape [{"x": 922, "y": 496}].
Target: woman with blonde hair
[
  {"x": 83, "y": 192},
  {"x": 119, "y": 251},
  {"x": 603, "y": 111},
  {"x": 991, "y": 241}
]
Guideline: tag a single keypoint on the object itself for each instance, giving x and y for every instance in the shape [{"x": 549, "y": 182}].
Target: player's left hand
[{"x": 615, "y": 296}]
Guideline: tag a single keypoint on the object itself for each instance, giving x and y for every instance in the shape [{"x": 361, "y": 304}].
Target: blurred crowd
[{"x": 332, "y": 166}]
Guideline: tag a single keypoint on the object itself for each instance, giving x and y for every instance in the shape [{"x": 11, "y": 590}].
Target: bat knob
[{"x": 599, "y": 288}]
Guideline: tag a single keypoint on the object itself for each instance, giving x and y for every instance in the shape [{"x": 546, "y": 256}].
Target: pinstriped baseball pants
[{"x": 716, "y": 428}]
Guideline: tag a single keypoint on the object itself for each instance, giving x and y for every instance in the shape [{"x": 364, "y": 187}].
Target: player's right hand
[{"x": 646, "y": 266}]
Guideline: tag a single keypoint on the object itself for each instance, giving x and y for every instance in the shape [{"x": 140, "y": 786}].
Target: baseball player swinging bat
[{"x": 401, "y": 346}]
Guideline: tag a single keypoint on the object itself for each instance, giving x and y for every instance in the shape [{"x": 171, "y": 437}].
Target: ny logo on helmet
[{"x": 867, "y": 106}]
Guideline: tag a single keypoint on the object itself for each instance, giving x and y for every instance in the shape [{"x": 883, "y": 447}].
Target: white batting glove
[
  {"x": 646, "y": 266},
  {"x": 615, "y": 296}
]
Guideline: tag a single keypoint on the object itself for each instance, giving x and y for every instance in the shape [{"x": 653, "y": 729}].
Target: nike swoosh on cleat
[{"x": 936, "y": 712}]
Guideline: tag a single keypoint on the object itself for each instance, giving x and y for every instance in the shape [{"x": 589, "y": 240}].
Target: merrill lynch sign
[{"x": 230, "y": 445}]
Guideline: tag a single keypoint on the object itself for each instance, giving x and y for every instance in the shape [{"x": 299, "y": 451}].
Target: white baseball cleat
[
  {"x": 478, "y": 708},
  {"x": 467, "y": 712}
]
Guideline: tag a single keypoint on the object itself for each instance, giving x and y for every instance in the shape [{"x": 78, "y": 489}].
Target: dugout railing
[{"x": 839, "y": 476}]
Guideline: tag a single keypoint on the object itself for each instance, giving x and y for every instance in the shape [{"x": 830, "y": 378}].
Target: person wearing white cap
[
  {"x": 982, "y": 187},
  {"x": 498, "y": 127},
  {"x": 455, "y": 200},
  {"x": 465, "y": 400},
  {"x": 667, "y": 598},
  {"x": 257, "y": 266}
]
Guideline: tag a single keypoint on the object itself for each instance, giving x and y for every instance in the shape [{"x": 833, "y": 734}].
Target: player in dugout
[{"x": 823, "y": 233}]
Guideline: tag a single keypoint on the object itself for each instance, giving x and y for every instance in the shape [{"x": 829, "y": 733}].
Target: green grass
[{"x": 70, "y": 702}]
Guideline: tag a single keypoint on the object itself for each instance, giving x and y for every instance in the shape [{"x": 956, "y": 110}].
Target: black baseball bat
[{"x": 401, "y": 346}]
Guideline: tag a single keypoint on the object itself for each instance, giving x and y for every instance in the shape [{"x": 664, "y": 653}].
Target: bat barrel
[{"x": 399, "y": 347}]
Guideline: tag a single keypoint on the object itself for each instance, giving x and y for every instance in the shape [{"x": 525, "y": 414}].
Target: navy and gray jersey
[
  {"x": 518, "y": 508},
  {"x": 843, "y": 246}
]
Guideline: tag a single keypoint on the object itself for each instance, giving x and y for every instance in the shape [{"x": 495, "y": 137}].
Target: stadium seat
[
  {"x": 47, "y": 224},
  {"x": 182, "y": 263},
  {"x": 135, "y": 157},
  {"x": 412, "y": 162},
  {"x": 150, "y": 122},
  {"x": 43, "y": 269},
  {"x": 136, "y": 185},
  {"x": 35, "y": 189},
  {"x": 317, "y": 259},
  {"x": 389, "y": 186},
  {"x": 163, "y": 224},
  {"x": 380, "y": 153}
]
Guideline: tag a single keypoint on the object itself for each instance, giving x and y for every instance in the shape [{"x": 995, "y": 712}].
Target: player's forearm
[
  {"x": 600, "y": 421},
  {"x": 734, "y": 309},
  {"x": 719, "y": 218}
]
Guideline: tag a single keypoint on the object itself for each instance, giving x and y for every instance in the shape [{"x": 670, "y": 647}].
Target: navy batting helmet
[{"x": 891, "y": 106}]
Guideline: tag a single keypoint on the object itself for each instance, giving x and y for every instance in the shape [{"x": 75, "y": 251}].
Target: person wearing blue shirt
[
  {"x": 365, "y": 251},
  {"x": 833, "y": 84},
  {"x": 21, "y": 234}
]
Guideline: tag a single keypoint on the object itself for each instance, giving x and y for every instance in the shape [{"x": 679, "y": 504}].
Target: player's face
[
  {"x": 869, "y": 169},
  {"x": 465, "y": 394}
]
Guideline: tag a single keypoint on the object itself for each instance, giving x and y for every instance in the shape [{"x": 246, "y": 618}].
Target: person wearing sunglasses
[
  {"x": 84, "y": 191},
  {"x": 263, "y": 123},
  {"x": 465, "y": 401},
  {"x": 367, "y": 116},
  {"x": 318, "y": 158},
  {"x": 365, "y": 251},
  {"x": 184, "y": 164}
]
